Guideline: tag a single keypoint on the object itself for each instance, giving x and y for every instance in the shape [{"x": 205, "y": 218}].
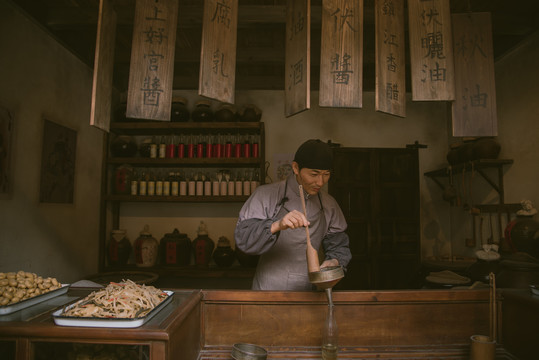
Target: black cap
[{"x": 314, "y": 154}]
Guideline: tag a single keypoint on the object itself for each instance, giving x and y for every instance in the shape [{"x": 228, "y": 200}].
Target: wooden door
[{"x": 378, "y": 191}]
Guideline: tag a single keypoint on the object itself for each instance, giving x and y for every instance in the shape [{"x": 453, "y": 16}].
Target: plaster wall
[{"x": 42, "y": 80}]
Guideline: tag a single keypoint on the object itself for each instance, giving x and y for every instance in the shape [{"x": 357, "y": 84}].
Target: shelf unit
[{"x": 110, "y": 201}]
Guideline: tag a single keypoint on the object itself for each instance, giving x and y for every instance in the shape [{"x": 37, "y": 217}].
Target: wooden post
[
  {"x": 218, "y": 54},
  {"x": 341, "y": 58},
  {"x": 390, "y": 61},
  {"x": 151, "y": 72},
  {"x": 474, "y": 109},
  {"x": 431, "y": 52},
  {"x": 103, "y": 66},
  {"x": 298, "y": 57}
]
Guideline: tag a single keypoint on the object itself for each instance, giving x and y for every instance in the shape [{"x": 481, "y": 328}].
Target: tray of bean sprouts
[{"x": 118, "y": 305}]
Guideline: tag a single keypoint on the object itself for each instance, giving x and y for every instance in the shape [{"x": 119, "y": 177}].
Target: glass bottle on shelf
[
  {"x": 159, "y": 184},
  {"x": 174, "y": 183},
  {"x": 170, "y": 147},
  {"x": 247, "y": 184},
  {"x": 166, "y": 185},
  {"x": 237, "y": 146},
  {"x": 190, "y": 147},
  {"x": 207, "y": 185},
  {"x": 246, "y": 146},
  {"x": 134, "y": 183},
  {"x": 153, "y": 148},
  {"x": 255, "y": 152},
  {"x": 151, "y": 184},
  {"x": 162, "y": 148},
  {"x": 142, "y": 184},
  {"x": 183, "y": 185},
  {"x": 223, "y": 182},
  {"x": 255, "y": 180}
]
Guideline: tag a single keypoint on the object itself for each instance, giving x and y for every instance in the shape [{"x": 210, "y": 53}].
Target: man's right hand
[{"x": 293, "y": 220}]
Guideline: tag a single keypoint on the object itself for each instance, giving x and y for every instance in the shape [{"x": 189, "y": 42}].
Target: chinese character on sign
[
  {"x": 343, "y": 18},
  {"x": 341, "y": 66},
  {"x": 478, "y": 99},
  {"x": 297, "y": 73},
  {"x": 222, "y": 13},
  {"x": 155, "y": 36},
  {"x": 391, "y": 64},
  {"x": 466, "y": 47},
  {"x": 390, "y": 39},
  {"x": 392, "y": 91},
  {"x": 297, "y": 24},
  {"x": 430, "y": 17},
  {"x": 153, "y": 60},
  {"x": 218, "y": 63},
  {"x": 156, "y": 12},
  {"x": 434, "y": 44},
  {"x": 388, "y": 8},
  {"x": 152, "y": 91},
  {"x": 436, "y": 74}
]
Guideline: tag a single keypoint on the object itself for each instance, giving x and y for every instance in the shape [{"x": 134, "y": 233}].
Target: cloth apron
[{"x": 284, "y": 266}]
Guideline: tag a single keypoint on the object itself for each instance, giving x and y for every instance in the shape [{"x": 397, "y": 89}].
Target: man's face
[{"x": 312, "y": 180}]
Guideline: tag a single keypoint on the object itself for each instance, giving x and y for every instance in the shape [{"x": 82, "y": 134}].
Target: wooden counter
[{"x": 205, "y": 324}]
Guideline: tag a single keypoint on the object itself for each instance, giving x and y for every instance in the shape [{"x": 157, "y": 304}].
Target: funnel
[{"x": 327, "y": 277}]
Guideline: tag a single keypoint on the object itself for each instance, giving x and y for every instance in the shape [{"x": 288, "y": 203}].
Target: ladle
[{"x": 324, "y": 278}]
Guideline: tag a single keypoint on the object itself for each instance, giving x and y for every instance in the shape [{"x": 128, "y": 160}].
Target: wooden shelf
[
  {"x": 186, "y": 198},
  {"x": 195, "y": 162},
  {"x": 468, "y": 166},
  {"x": 166, "y": 127}
]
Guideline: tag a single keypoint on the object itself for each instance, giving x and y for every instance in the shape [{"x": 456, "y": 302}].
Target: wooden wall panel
[
  {"x": 151, "y": 72},
  {"x": 474, "y": 109},
  {"x": 298, "y": 57},
  {"x": 101, "y": 109},
  {"x": 390, "y": 88},
  {"x": 431, "y": 53},
  {"x": 341, "y": 55},
  {"x": 218, "y": 54}
]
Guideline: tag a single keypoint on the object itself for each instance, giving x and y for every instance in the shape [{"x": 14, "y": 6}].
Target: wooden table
[{"x": 204, "y": 324}]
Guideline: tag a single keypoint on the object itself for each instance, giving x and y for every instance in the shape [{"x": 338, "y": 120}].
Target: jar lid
[
  {"x": 203, "y": 102},
  {"x": 227, "y": 107},
  {"x": 223, "y": 242},
  {"x": 179, "y": 99},
  {"x": 146, "y": 231},
  {"x": 119, "y": 231}
]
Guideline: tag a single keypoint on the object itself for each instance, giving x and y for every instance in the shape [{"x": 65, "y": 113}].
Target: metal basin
[{"x": 248, "y": 352}]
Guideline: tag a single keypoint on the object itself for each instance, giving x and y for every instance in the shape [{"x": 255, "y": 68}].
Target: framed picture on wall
[
  {"x": 57, "y": 163},
  {"x": 6, "y": 128}
]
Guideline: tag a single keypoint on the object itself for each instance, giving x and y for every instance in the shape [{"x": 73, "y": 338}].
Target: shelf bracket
[{"x": 491, "y": 183}]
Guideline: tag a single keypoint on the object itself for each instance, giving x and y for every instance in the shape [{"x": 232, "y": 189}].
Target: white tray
[
  {"x": 108, "y": 322},
  {"x": 8, "y": 309}
]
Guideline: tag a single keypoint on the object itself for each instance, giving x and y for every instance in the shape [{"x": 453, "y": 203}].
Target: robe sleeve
[{"x": 336, "y": 243}]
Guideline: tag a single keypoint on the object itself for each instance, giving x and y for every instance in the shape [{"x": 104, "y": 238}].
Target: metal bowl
[
  {"x": 243, "y": 351},
  {"x": 327, "y": 277}
]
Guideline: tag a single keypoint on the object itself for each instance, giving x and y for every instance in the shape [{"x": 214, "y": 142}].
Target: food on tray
[
  {"x": 125, "y": 300},
  {"x": 22, "y": 285}
]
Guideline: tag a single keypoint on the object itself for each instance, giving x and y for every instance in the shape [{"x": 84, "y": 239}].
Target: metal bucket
[
  {"x": 482, "y": 348},
  {"x": 243, "y": 351},
  {"x": 327, "y": 277}
]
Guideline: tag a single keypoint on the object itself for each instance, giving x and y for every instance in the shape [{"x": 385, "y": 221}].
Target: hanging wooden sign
[
  {"x": 151, "y": 71},
  {"x": 218, "y": 54},
  {"x": 100, "y": 111},
  {"x": 390, "y": 57},
  {"x": 341, "y": 58},
  {"x": 474, "y": 109},
  {"x": 298, "y": 57},
  {"x": 431, "y": 53}
]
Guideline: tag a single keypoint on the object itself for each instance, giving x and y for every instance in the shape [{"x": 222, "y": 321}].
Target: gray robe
[{"x": 283, "y": 262}]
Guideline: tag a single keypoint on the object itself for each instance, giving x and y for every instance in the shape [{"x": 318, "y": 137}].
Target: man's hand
[
  {"x": 293, "y": 220},
  {"x": 330, "y": 262}
]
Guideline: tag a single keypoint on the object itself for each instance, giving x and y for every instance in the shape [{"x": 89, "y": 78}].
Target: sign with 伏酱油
[
  {"x": 390, "y": 62},
  {"x": 218, "y": 50},
  {"x": 431, "y": 51},
  {"x": 151, "y": 71},
  {"x": 298, "y": 57},
  {"x": 474, "y": 108},
  {"x": 341, "y": 54}
]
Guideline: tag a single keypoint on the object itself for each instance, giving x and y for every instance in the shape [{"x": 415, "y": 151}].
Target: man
[{"x": 271, "y": 223}]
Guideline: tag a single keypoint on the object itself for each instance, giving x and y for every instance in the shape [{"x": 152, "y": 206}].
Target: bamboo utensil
[{"x": 312, "y": 255}]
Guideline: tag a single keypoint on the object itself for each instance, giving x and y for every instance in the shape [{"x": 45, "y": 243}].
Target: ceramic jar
[
  {"x": 119, "y": 248},
  {"x": 226, "y": 113},
  {"x": 485, "y": 148},
  {"x": 146, "y": 249},
  {"x": 522, "y": 235},
  {"x": 224, "y": 255},
  {"x": 122, "y": 179},
  {"x": 175, "y": 249},
  {"x": 123, "y": 146},
  {"x": 203, "y": 246},
  {"x": 179, "y": 111},
  {"x": 250, "y": 113},
  {"x": 202, "y": 112}
]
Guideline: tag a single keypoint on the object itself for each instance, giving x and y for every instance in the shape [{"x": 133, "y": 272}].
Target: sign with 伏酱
[
  {"x": 151, "y": 71},
  {"x": 341, "y": 55}
]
